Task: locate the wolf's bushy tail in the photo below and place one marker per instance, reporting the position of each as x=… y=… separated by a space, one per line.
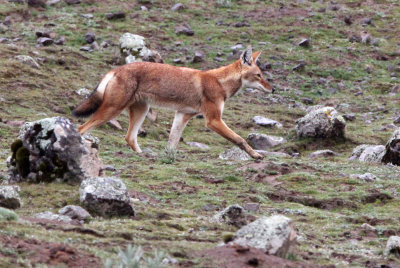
x=89 y=105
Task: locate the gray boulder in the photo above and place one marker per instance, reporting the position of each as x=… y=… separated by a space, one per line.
x=50 y=216
x=75 y=213
x=322 y=153
x=52 y=149
x=368 y=153
x=106 y=197
x=392 y=150
x=133 y=48
x=9 y=197
x=266 y=122
x=264 y=142
x=320 y=122
x=274 y=235
x=234 y=153
x=232 y=215
x=393 y=246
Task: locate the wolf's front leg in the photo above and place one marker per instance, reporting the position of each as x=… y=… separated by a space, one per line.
x=180 y=121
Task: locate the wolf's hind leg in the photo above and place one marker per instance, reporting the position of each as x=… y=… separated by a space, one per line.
x=137 y=114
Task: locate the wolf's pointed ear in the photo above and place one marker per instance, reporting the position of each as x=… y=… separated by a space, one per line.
x=246 y=56
x=256 y=55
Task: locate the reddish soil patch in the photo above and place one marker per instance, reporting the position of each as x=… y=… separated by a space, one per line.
x=296 y=197
x=242 y=257
x=49 y=253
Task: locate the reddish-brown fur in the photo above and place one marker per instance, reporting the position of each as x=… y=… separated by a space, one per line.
x=137 y=86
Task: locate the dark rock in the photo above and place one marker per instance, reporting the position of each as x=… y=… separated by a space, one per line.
x=48 y=34
x=72 y=2
x=299 y=67
x=198 y=57
x=177 y=7
x=52 y=149
x=90 y=37
x=36 y=3
x=44 y=41
x=116 y=15
x=184 y=29
x=348 y=20
x=307 y=100
x=392 y=150
x=241 y=24
x=264 y=66
x=304 y=43
x=107 y=197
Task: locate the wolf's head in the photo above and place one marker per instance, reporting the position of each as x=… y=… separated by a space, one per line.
x=251 y=75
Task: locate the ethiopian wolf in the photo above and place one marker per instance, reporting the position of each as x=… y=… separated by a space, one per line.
x=139 y=85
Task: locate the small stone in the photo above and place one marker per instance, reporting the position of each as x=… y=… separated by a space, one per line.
x=304 y=43
x=28 y=60
x=368 y=227
x=299 y=67
x=198 y=57
x=60 y=41
x=178 y=61
x=241 y=24
x=144 y=8
x=75 y=213
x=72 y=2
x=264 y=142
x=87 y=16
x=266 y=122
x=198 y=145
x=7 y=21
x=348 y=20
x=219 y=59
x=177 y=7
x=116 y=15
x=53 y=2
x=367 y=21
x=94 y=46
x=50 y=216
x=90 y=37
x=36 y=3
x=184 y=29
x=265 y=66
x=86 y=49
x=83 y=92
x=322 y=153
x=365 y=38
x=393 y=246
x=307 y=100
x=251 y=206
x=9 y=197
x=44 y=41
x=367 y=177
x=232 y=215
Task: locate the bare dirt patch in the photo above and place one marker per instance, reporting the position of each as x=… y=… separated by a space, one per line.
x=49 y=253
x=242 y=257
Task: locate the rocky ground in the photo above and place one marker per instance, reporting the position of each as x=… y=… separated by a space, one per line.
x=341 y=54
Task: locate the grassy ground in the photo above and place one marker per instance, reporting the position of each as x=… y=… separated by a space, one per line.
x=171 y=213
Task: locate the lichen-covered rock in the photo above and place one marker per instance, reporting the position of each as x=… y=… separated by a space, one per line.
x=393 y=246
x=368 y=153
x=9 y=197
x=392 y=150
x=263 y=142
x=274 y=235
x=232 y=215
x=52 y=149
x=50 y=216
x=234 y=153
x=320 y=122
x=75 y=213
x=106 y=197
x=28 y=60
x=133 y=48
